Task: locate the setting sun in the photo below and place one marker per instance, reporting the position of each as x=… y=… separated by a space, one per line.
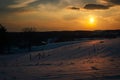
x=91 y=20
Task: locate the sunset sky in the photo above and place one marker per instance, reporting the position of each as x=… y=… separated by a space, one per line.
x=58 y=15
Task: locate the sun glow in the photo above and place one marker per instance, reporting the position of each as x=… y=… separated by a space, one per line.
x=91 y=20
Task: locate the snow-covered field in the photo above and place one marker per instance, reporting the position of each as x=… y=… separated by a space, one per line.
x=86 y=60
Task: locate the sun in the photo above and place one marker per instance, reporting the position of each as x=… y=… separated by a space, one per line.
x=91 y=20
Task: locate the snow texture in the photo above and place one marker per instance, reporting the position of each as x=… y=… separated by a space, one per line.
x=80 y=60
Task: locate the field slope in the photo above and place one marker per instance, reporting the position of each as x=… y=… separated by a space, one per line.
x=86 y=60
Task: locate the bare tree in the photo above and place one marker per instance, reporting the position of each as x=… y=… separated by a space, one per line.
x=28 y=34
x=29 y=29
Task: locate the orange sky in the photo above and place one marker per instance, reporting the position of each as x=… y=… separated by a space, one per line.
x=60 y=14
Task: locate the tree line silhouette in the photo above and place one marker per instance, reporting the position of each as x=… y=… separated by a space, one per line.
x=30 y=37
x=9 y=39
x=3 y=39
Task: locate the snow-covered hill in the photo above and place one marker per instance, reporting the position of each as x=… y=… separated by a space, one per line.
x=86 y=60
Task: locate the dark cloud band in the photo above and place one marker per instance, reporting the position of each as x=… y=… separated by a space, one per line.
x=96 y=6
x=115 y=2
x=73 y=8
x=109 y=3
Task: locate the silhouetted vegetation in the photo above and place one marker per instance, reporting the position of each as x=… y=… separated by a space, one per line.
x=29 y=37
x=3 y=39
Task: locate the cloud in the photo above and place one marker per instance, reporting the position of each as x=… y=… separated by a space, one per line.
x=19 y=6
x=21 y=3
x=47 y=1
x=13 y=6
x=73 y=8
x=96 y=6
x=4 y=4
x=114 y=2
x=105 y=4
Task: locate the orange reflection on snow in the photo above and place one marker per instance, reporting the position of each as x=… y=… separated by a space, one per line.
x=92 y=64
x=93 y=42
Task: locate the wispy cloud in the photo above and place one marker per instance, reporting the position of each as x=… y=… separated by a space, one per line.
x=21 y=3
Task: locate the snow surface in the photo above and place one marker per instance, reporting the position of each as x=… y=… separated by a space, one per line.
x=81 y=60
